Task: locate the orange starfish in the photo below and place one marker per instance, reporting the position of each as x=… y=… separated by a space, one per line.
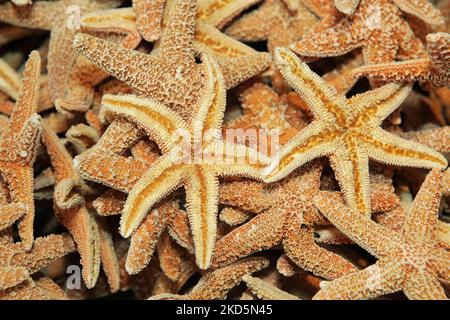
x=434 y=70
x=410 y=260
x=347 y=130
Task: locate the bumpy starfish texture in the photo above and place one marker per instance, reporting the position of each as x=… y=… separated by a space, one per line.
x=433 y=70
x=176 y=167
x=266 y=291
x=18 y=264
x=19 y=142
x=52 y=15
x=410 y=260
x=149 y=17
x=172 y=63
x=376 y=27
x=348 y=131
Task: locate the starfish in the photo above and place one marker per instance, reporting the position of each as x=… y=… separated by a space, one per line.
x=410 y=260
x=433 y=70
x=376 y=26
x=90 y=235
x=286 y=215
x=172 y=63
x=438 y=139
x=215 y=284
x=19 y=143
x=52 y=15
x=18 y=264
x=171 y=170
x=266 y=291
x=348 y=131
x=422 y=9
x=149 y=15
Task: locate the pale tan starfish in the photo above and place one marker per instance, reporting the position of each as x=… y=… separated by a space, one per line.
x=266 y=291
x=434 y=70
x=348 y=131
x=410 y=260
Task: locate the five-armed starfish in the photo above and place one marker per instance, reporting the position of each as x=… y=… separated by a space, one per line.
x=347 y=130
x=18 y=149
x=53 y=16
x=196 y=166
x=410 y=260
x=434 y=70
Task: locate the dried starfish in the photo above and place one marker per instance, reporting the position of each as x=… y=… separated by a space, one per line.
x=216 y=284
x=433 y=70
x=149 y=17
x=197 y=170
x=52 y=15
x=18 y=264
x=410 y=260
x=285 y=214
x=19 y=143
x=266 y=291
x=172 y=63
x=376 y=26
x=348 y=131
x=438 y=139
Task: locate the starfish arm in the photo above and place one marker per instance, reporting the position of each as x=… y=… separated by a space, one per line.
x=108 y=256
x=28 y=95
x=115 y=60
x=28 y=139
x=230 y=159
x=301 y=248
x=145 y=238
x=160 y=123
x=262 y=232
x=316 y=140
x=119 y=136
x=422 y=9
x=388 y=148
x=217 y=283
x=109 y=203
x=322 y=98
x=410 y=70
x=45 y=250
x=252 y=195
x=13 y=276
x=252 y=26
x=10 y=213
x=380 y=48
x=40 y=15
x=332 y=41
x=149 y=18
x=266 y=291
x=202 y=188
x=9 y=80
x=180 y=25
x=376 y=239
x=437 y=139
x=421 y=221
x=346 y=6
x=437 y=45
x=378 y=279
x=180 y=231
x=423 y=285
x=161 y=178
x=234 y=216
x=238 y=69
x=219 y=13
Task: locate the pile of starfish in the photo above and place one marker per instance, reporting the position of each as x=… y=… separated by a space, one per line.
x=348 y=198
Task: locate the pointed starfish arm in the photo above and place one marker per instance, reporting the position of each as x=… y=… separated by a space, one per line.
x=108 y=256
x=202 y=188
x=118 y=61
x=29 y=94
x=122 y=19
x=252 y=195
x=160 y=123
x=28 y=139
x=144 y=240
x=421 y=222
x=110 y=203
x=346 y=6
x=39 y=15
x=437 y=139
x=378 y=279
x=10 y=276
x=423 y=285
x=9 y=80
x=179 y=230
x=266 y=291
x=388 y=148
x=218 y=13
x=376 y=239
x=10 y=213
x=422 y=9
x=301 y=248
x=316 y=140
x=322 y=99
x=160 y=179
x=149 y=17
